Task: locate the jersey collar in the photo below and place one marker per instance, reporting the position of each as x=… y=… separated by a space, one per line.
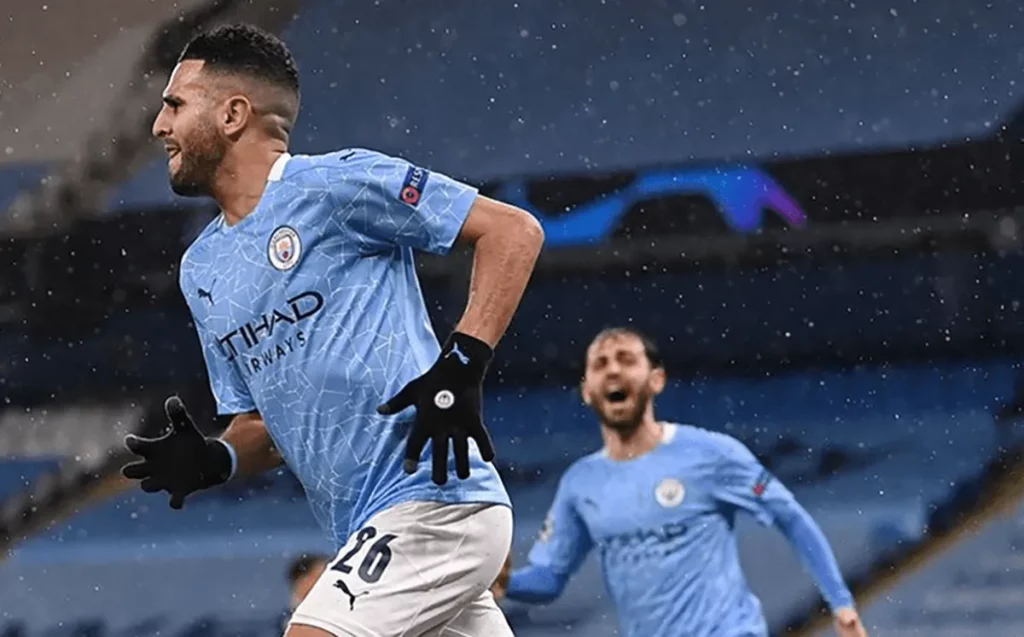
x=276 y=174
x=668 y=433
x=277 y=170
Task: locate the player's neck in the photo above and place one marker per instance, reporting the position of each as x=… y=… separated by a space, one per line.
x=627 y=445
x=242 y=178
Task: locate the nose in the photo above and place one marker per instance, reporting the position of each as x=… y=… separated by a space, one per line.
x=612 y=371
x=161 y=127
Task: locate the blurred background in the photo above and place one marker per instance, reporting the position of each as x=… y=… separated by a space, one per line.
x=815 y=207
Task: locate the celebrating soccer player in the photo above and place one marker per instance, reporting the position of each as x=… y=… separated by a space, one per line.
x=316 y=337
x=659 y=501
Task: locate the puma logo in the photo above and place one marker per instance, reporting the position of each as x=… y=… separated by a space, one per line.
x=343 y=587
x=458 y=354
x=206 y=294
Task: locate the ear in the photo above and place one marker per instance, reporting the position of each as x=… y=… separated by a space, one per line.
x=584 y=393
x=656 y=381
x=237 y=114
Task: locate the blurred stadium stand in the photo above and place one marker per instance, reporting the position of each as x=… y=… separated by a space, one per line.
x=822 y=228
x=850 y=443
x=974 y=589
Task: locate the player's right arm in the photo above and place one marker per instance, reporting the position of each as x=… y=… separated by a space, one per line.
x=558 y=552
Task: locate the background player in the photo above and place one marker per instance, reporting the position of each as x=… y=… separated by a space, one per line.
x=669 y=556
x=304 y=294
x=302 y=573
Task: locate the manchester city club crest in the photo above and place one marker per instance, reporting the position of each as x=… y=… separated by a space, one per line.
x=284 y=249
x=670 y=493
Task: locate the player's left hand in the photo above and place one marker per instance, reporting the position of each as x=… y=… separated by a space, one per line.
x=847 y=623
x=448 y=401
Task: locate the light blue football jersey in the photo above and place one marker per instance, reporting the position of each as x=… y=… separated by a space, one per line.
x=663 y=525
x=309 y=311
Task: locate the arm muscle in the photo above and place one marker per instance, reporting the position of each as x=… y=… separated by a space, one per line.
x=507 y=242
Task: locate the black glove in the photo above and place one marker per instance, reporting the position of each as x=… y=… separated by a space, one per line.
x=447 y=398
x=181 y=461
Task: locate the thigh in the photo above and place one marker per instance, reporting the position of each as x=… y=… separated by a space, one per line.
x=480 y=618
x=409 y=570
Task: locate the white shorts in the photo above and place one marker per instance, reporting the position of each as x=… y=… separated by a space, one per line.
x=419 y=569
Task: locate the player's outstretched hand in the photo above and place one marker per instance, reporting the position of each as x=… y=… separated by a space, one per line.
x=847 y=623
x=448 y=399
x=181 y=461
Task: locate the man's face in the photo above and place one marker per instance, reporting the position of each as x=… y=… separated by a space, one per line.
x=619 y=382
x=305 y=582
x=187 y=125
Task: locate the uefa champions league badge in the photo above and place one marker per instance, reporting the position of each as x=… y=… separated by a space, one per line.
x=670 y=493
x=413 y=184
x=284 y=248
x=548 y=529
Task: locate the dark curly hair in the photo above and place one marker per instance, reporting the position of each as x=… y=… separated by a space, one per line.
x=246 y=50
x=650 y=347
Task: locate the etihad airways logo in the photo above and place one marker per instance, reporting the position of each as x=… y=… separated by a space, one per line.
x=267 y=339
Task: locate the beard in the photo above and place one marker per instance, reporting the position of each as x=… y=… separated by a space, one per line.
x=198 y=163
x=626 y=420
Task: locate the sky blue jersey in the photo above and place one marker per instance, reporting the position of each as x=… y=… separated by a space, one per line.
x=309 y=311
x=663 y=525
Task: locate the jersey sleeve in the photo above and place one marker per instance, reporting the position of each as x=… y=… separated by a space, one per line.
x=742 y=481
x=385 y=201
x=229 y=388
x=564 y=541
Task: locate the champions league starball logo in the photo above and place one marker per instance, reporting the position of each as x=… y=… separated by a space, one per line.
x=743 y=196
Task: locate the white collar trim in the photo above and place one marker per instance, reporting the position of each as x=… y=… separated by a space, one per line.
x=668 y=434
x=277 y=170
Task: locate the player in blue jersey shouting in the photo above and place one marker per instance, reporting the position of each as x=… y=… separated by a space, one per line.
x=659 y=503
x=316 y=337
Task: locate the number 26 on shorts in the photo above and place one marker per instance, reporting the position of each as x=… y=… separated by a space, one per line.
x=376 y=560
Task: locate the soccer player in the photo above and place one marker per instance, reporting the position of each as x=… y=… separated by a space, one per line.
x=316 y=338
x=659 y=502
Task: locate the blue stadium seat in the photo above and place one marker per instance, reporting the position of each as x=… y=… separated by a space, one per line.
x=929 y=428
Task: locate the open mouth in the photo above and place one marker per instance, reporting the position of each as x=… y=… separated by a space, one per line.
x=617 y=396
